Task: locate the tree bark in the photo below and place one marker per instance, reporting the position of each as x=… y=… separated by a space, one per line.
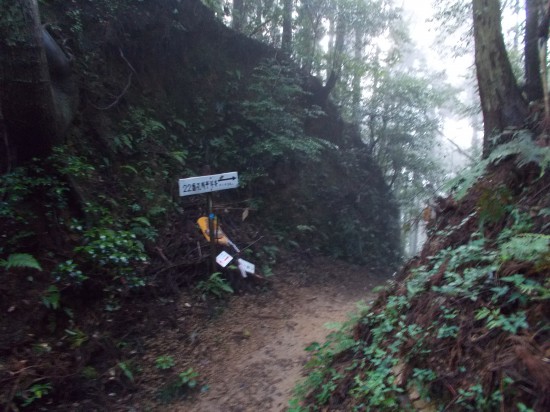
x=533 y=83
x=286 y=43
x=356 y=82
x=339 y=42
x=36 y=113
x=6 y=162
x=501 y=101
x=237 y=21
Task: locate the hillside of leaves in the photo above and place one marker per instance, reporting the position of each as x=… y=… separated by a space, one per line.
x=95 y=238
x=466 y=324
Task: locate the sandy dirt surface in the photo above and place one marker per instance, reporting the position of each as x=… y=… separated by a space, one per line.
x=251 y=356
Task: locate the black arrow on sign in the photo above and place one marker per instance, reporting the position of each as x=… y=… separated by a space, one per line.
x=221 y=179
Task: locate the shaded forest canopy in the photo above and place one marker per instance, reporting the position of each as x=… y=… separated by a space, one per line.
x=92 y=224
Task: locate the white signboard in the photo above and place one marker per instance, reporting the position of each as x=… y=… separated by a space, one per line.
x=223 y=259
x=211 y=183
x=246 y=267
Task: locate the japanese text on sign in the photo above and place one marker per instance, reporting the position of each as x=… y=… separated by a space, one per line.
x=211 y=183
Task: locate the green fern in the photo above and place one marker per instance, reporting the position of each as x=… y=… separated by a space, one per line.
x=461 y=184
x=528 y=287
x=522 y=146
x=525 y=148
x=215 y=285
x=20 y=260
x=531 y=247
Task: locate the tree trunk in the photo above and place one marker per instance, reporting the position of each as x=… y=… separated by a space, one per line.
x=6 y=161
x=339 y=42
x=330 y=44
x=356 y=82
x=533 y=83
x=501 y=101
x=36 y=110
x=237 y=21
x=286 y=42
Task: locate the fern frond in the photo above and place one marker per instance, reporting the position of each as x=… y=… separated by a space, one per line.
x=20 y=260
x=522 y=142
x=530 y=247
x=464 y=182
x=527 y=151
x=522 y=146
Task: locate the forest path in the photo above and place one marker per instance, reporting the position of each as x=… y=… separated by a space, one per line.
x=252 y=355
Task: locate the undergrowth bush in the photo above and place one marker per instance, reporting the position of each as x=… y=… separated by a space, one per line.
x=30 y=197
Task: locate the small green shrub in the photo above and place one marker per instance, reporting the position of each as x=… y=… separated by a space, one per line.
x=522 y=147
x=164 y=362
x=31 y=196
x=34 y=393
x=68 y=272
x=51 y=297
x=71 y=164
x=179 y=386
x=188 y=378
x=126 y=370
x=495 y=319
x=215 y=286
x=119 y=253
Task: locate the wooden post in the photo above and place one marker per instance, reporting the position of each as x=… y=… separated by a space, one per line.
x=212 y=234
x=208 y=184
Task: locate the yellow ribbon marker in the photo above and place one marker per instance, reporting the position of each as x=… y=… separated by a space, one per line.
x=219 y=236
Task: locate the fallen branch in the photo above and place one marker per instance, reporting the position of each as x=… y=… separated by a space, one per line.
x=115 y=102
x=128 y=84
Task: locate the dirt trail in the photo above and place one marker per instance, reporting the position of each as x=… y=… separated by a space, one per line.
x=252 y=355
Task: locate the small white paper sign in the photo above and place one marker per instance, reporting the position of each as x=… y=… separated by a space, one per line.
x=247 y=266
x=223 y=259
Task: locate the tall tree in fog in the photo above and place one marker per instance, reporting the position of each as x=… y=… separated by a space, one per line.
x=238 y=15
x=286 y=41
x=501 y=100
